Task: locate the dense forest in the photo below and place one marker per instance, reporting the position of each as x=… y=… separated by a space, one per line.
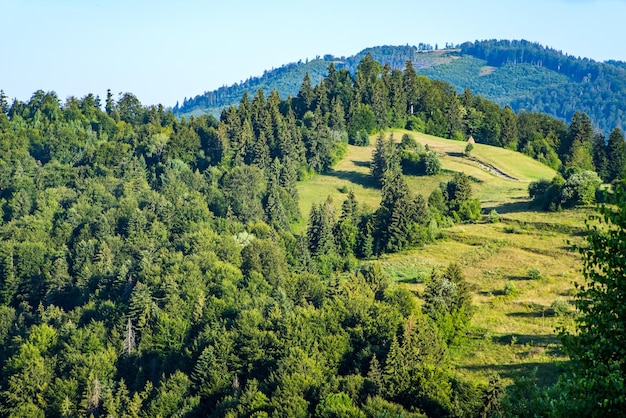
x=598 y=88
x=148 y=266
x=524 y=75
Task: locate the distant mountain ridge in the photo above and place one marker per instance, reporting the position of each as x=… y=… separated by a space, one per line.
x=522 y=74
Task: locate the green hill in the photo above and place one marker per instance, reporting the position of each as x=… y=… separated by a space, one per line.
x=521 y=74
x=513 y=333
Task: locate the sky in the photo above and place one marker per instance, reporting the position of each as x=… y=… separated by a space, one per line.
x=164 y=51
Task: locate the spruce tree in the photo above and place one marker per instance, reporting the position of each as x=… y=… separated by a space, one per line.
x=616 y=155
x=599 y=153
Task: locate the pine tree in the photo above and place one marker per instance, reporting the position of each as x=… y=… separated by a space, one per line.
x=599 y=153
x=110 y=103
x=384 y=158
x=261 y=152
x=4 y=104
x=576 y=150
x=337 y=117
x=616 y=155
x=305 y=98
x=509 y=137
x=409 y=82
x=375 y=377
x=346 y=231
x=320 y=230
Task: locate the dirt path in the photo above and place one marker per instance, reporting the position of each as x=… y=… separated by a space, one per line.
x=491 y=169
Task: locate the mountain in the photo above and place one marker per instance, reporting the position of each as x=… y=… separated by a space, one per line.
x=521 y=74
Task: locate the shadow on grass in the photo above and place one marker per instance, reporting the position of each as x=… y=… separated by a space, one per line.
x=518 y=278
x=361 y=163
x=531 y=314
x=455 y=154
x=511 y=207
x=546 y=373
x=364 y=180
x=538 y=340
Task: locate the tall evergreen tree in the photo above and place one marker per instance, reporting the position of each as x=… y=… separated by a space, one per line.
x=599 y=153
x=305 y=99
x=576 y=150
x=616 y=155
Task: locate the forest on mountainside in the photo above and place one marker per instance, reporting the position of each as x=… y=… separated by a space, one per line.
x=148 y=266
x=525 y=75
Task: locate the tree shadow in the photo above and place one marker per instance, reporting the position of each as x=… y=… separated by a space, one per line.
x=364 y=180
x=361 y=163
x=539 y=340
x=454 y=154
x=518 y=278
x=531 y=314
x=545 y=373
x=512 y=207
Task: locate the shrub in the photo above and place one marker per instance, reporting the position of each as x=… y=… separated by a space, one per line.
x=432 y=165
x=408 y=142
x=414 y=123
x=560 y=307
x=580 y=188
x=510 y=289
x=468 y=148
x=493 y=217
x=534 y=274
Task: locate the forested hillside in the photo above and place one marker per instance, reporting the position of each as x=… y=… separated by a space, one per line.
x=148 y=266
x=524 y=75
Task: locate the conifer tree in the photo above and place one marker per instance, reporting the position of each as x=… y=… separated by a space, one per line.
x=616 y=155
x=599 y=153
x=305 y=98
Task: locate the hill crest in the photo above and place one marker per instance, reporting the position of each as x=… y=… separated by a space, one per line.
x=521 y=74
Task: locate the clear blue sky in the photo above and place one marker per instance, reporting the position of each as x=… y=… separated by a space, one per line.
x=163 y=51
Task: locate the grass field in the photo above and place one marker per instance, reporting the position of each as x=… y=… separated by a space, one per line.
x=527 y=252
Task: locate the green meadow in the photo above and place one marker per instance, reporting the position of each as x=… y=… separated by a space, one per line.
x=521 y=268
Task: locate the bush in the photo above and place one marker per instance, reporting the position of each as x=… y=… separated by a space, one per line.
x=534 y=274
x=493 y=217
x=468 y=148
x=560 y=307
x=580 y=188
x=408 y=142
x=432 y=165
x=415 y=124
x=510 y=289
x=360 y=138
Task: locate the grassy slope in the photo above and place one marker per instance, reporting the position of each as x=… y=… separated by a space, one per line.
x=511 y=334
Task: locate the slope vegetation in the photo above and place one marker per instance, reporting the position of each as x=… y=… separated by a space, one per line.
x=517 y=267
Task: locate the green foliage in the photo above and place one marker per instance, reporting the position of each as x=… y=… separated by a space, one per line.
x=460 y=204
x=560 y=307
x=534 y=273
x=580 y=189
x=448 y=302
x=510 y=289
x=337 y=405
x=493 y=216
x=596 y=383
x=147 y=266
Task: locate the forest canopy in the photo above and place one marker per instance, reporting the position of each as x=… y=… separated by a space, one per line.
x=148 y=266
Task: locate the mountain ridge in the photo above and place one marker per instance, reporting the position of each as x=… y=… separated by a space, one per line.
x=521 y=74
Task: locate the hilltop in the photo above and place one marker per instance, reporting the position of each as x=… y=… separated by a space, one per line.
x=520 y=74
